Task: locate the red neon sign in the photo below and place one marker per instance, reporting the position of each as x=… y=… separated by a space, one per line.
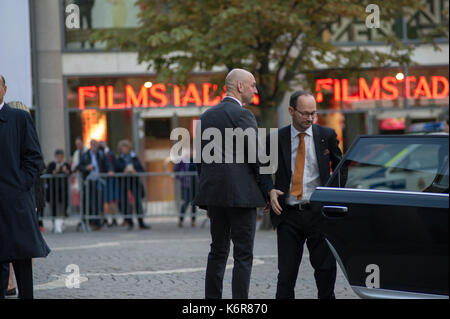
x=157 y=95
x=386 y=88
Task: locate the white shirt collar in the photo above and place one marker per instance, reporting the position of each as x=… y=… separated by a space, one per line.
x=295 y=132
x=1 y=105
x=232 y=97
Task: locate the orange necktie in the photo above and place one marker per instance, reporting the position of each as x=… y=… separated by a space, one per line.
x=297 y=179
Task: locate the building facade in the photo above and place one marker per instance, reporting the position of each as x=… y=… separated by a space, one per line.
x=83 y=90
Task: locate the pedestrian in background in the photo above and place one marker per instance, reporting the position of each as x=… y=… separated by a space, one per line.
x=187 y=189
x=130 y=186
x=77 y=179
x=92 y=163
x=58 y=189
x=112 y=188
x=20 y=165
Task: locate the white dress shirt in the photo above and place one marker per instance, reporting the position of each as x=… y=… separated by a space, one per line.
x=231 y=97
x=1 y=105
x=311 y=177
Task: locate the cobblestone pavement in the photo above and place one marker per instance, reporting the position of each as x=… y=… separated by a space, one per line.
x=164 y=262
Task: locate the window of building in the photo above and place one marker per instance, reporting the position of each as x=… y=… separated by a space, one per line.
x=96 y=15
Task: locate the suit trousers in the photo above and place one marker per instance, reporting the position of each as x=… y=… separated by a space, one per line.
x=296 y=228
x=23 y=270
x=237 y=225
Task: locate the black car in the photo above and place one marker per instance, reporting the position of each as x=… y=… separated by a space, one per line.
x=385 y=216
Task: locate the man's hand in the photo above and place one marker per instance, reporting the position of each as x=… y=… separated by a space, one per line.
x=65 y=170
x=110 y=173
x=89 y=167
x=266 y=209
x=273 y=194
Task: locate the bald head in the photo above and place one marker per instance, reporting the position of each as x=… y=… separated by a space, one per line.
x=241 y=84
x=235 y=76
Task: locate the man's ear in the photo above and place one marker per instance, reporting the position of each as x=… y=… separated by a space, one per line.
x=239 y=86
x=291 y=110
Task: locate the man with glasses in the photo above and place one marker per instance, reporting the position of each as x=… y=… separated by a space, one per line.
x=305 y=152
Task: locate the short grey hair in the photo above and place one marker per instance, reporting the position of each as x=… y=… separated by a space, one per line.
x=3 y=79
x=19 y=105
x=124 y=143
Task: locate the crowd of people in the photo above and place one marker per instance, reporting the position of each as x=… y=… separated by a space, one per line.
x=101 y=198
x=24 y=193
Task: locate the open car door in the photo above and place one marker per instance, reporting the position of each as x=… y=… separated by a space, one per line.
x=385 y=216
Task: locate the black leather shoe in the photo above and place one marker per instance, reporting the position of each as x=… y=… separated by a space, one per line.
x=11 y=292
x=144 y=226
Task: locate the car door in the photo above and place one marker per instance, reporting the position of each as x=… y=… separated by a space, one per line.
x=385 y=216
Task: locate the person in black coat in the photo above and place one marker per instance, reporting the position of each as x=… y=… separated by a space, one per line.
x=230 y=191
x=188 y=185
x=127 y=162
x=92 y=163
x=112 y=188
x=20 y=165
x=295 y=180
x=58 y=185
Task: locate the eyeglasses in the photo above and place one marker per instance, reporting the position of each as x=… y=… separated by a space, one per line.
x=307 y=114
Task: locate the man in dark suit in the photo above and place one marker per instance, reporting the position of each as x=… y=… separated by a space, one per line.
x=92 y=163
x=128 y=163
x=229 y=190
x=20 y=165
x=305 y=152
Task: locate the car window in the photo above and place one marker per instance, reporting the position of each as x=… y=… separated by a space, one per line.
x=395 y=163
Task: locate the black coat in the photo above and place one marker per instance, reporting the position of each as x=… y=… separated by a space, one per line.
x=132 y=182
x=39 y=190
x=20 y=165
x=58 y=186
x=104 y=164
x=229 y=184
x=120 y=163
x=327 y=152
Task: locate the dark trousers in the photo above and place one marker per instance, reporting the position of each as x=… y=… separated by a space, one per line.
x=237 y=224
x=188 y=196
x=57 y=195
x=93 y=201
x=296 y=228
x=131 y=185
x=23 y=270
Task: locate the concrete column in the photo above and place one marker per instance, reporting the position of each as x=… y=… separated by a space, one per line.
x=284 y=118
x=47 y=29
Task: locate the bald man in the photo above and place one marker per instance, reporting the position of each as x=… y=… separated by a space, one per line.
x=230 y=191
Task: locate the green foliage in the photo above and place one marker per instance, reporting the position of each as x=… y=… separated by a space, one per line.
x=277 y=40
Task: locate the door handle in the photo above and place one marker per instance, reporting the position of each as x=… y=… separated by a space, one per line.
x=334 y=211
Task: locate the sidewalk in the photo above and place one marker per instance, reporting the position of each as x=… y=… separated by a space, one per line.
x=164 y=262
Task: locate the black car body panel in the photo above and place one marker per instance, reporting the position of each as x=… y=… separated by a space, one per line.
x=403 y=232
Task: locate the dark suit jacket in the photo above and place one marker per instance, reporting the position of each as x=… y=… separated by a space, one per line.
x=104 y=164
x=228 y=184
x=327 y=152
x=132 y=182
x=120 y=164
x=20 y=165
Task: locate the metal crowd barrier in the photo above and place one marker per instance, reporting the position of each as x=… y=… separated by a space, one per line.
x=132 y=196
